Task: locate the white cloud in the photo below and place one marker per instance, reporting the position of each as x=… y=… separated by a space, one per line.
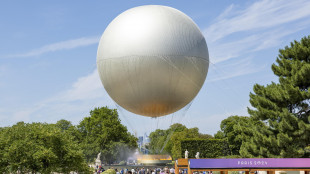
x=259 y=15
x=249 y=44
x=72 y=104
x=234 y=69
x=24 y=114
x=85 y=88
x=63 y=45
x=228 y=11
x=85 y=94
x=262 y=26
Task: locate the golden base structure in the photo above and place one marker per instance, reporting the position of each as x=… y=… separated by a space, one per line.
x=154 y=159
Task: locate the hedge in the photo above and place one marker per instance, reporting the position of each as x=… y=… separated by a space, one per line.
x=207 y=148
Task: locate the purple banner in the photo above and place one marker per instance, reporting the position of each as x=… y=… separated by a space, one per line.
x=239 y=163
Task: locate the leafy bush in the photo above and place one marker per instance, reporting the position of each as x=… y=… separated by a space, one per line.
x=109 y=171
x=122 y=163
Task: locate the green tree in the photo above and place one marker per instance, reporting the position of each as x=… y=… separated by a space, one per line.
x=219 y=135
x=64 y=124
x=39 y=147
x=283 y=107
x=236 y=129
x=161 y=139
x=169 y=141
x=3 y=160
x=103 y=132
x=157 y=140
x=67 y=127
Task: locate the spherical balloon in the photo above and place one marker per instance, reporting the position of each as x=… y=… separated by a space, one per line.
x=152 y=60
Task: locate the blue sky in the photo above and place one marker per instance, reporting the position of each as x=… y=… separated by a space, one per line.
x=48 y=57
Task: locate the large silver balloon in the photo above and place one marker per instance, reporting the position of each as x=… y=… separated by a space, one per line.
x=152 y=60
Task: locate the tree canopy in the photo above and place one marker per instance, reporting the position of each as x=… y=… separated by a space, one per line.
x=39 y=147
x=283 y=106
x=103 y=132
x=63 y=147
x=236 y=129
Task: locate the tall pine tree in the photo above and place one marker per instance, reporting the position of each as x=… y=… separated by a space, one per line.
x=284 y=107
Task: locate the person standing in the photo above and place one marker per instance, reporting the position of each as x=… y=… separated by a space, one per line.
x=172 y=170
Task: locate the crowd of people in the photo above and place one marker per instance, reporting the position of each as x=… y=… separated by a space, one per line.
x=148 y=170
x=142 y=170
